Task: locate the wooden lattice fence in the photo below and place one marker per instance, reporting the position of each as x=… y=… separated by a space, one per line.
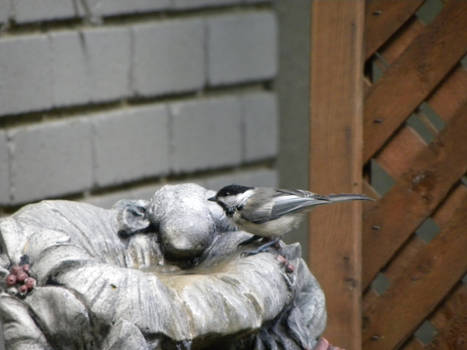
x=406 y=273
x=414 y=244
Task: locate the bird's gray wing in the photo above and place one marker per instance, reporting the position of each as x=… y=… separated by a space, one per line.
x=279 y=202
x=259 y=206
x=291 y=201
x=288 y=202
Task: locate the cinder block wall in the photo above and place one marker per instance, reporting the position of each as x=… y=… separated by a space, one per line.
x=118 y=99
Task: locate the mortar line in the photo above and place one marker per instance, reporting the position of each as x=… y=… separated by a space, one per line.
x=44 y=26
x=200 y=175
x=91 y=109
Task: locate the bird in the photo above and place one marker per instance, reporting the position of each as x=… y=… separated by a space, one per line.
x=270 y=213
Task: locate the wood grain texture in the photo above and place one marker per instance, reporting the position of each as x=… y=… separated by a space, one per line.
x=397 y=156
x=383 y=18
x=335 y=161
x=400 y=153
x=413 y=344
x=394 y=47
x=392 y=317
x=450 y=321
x=414 y=75
x=400 y=41
x=407 y=255
x=450 y=97
x=416 y=194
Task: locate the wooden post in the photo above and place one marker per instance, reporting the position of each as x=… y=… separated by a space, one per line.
x=336 y=161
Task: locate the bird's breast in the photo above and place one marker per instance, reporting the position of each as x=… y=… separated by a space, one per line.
x=271 y=229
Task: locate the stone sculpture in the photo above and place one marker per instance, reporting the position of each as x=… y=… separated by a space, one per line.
x=160 y=274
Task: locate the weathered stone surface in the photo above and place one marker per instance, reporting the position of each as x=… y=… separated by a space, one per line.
x=109 y=290
x=19 y=329
x=186 y=220
x=59 y=310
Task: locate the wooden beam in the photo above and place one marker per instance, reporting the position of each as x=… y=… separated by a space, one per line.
x=336 y=161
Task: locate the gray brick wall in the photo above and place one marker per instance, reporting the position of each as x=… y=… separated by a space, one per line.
x=189 y=4
x=50 y=159
x=69 y=86
x=168 y=57
x=4 y=170
x=25 y=74
x=33 y=10
x=152 y=92
x=131 y=144
x=48 y=10
x=206 y=134
x=260 y=126
x=108 y=52
x=5 y=11
x=242 y=47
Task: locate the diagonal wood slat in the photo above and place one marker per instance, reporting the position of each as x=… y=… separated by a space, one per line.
x=399 y=154
x=392 y=317
x=397 y=45
x=407 y=256
x=452 y=95
x=383 y=18
x=418 y=64
x=415 y=195
x=414 y=344
x=410 y=79
x=450 y=321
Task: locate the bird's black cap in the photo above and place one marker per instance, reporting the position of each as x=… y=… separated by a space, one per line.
x=232 y=190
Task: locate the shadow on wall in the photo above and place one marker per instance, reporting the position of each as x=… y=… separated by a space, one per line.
x=293 y=94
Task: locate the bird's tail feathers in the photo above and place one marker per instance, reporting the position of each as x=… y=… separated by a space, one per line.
x=308 y=200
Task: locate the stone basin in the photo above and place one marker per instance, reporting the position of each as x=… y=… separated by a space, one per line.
x=99 y=289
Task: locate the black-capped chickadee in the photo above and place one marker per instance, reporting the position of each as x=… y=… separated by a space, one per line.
x=270 y=213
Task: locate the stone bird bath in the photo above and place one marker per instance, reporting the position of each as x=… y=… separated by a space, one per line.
x=160 y=274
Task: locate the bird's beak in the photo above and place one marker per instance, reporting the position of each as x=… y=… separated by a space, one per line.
x=212 y=199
